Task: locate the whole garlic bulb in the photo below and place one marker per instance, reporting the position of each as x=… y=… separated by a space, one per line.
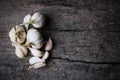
x=34 y=37
x=17 y=34
x=37 y=20
x=20 y=51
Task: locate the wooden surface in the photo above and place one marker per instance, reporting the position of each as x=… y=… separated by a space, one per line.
x=86 y=35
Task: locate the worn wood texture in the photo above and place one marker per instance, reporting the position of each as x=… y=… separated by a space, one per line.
x=86 y=36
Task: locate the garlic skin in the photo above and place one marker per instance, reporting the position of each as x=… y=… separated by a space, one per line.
x=38 y=20
x=34 y=37
x=45 y=56
x=36 y=52
x=17 y=34
x=20 y=51
x=49 y=45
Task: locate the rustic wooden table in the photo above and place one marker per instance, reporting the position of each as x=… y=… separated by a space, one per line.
x=86 y=36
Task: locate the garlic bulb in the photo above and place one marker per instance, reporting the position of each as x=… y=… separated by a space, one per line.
x=36 y=62
x=20 y=51
x=17 y=34
x=38 y=20
x=34 y=37
x=36 y=52
x=49 y=45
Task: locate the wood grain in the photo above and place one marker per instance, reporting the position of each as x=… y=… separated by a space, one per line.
x=86 y=37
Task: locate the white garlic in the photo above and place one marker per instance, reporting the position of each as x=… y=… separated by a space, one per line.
x=45 y=56
x=36 y=63
x=37 y=45
x=34 y=60
x=20 y=51
x=17 y=34
x=34 y=37
x=49 y=45
x=27 y=21
x=36 y=52
x=38 y=20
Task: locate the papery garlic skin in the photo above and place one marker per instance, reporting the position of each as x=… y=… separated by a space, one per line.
x=38 y=20
x=17 y=34
x=36 y=52
x=20 y=51
x=49 y=45
x=34 y=37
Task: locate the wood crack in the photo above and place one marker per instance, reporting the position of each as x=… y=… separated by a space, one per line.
x=86 y=62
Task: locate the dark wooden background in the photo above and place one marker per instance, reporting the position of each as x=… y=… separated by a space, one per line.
x=86 y=35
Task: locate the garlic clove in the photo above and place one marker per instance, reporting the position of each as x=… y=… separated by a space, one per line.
x=45 y=56
x=34 y=60
x=38 y=20
x=36 y=52
x=49 y=45
x=20 y=40
x=37 y=45
x=37 y=65
x=27 y=21
x=21 y=51
x=12 y=34
x=27 y=18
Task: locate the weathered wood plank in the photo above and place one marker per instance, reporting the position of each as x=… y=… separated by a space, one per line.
x=60 y=70
x=85 y=45
x=85 y=33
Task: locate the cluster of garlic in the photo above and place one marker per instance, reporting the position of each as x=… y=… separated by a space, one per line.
x=24 y=39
